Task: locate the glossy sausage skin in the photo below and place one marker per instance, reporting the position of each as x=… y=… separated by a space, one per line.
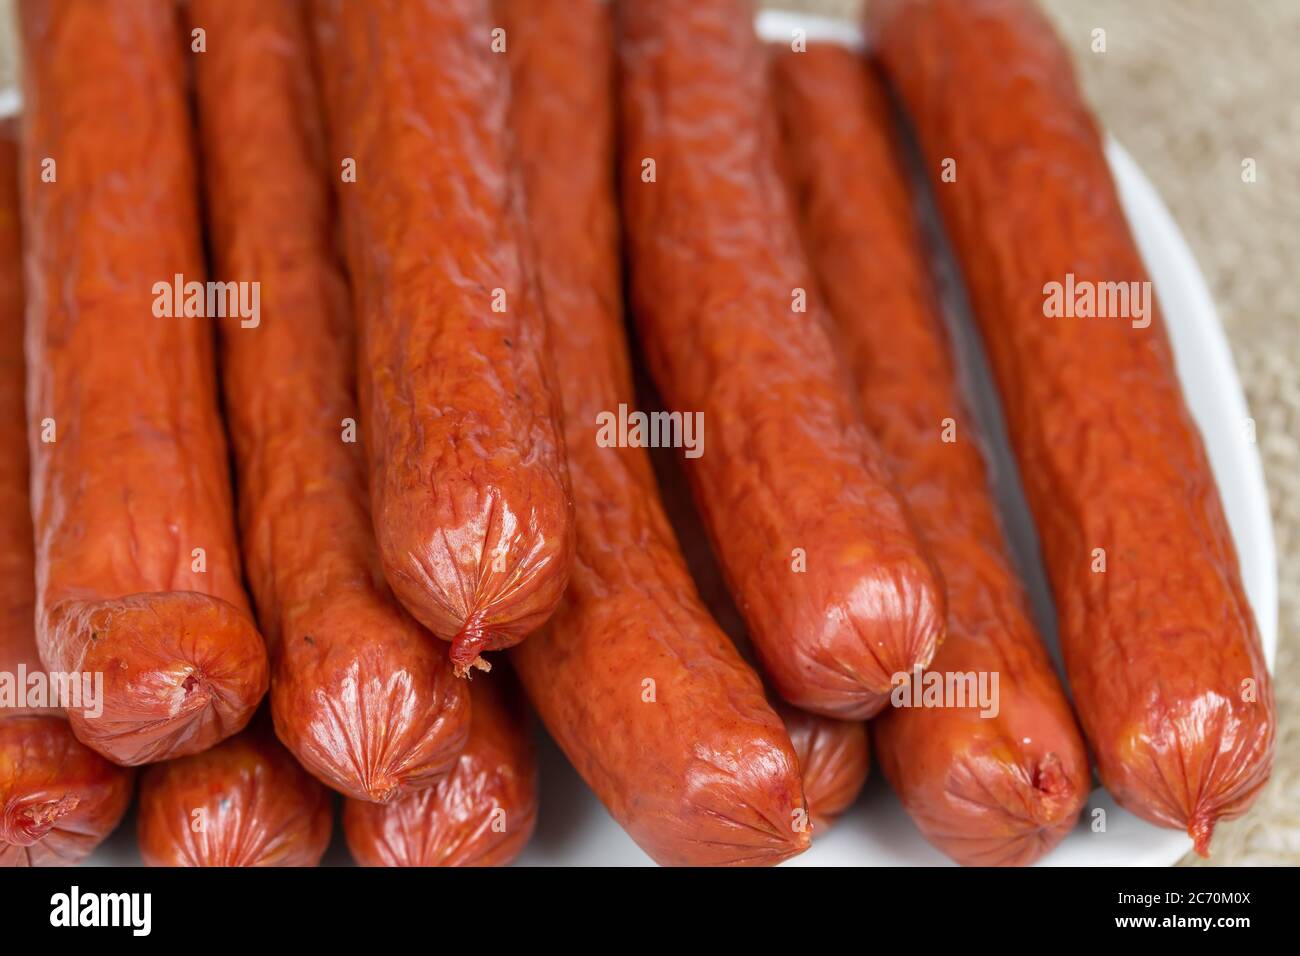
x=834 y=761
x=58 y=798
x=1161 y=649
x=136 y=480
x=17 y=563
x=481 y=814
x=983 y=789
x=362 y=695
x=647 y=698
x=467 y=478
x=816 y=546
x=245 y=802
x=834 y=755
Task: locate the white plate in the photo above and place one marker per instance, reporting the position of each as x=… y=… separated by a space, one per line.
x=575 y=830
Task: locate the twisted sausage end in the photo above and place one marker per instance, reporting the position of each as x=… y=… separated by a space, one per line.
x=162 y=674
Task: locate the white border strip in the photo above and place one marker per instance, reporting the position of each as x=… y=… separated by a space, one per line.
x=774 y=25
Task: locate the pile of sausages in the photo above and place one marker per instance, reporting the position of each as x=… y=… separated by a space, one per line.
x=447 y=206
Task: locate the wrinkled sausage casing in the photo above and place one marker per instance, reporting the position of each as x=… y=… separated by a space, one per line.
x=362 y=695
x=245 y=802
x=481 y=814
x=467 y=477
x=834 y=761
x=647 y=698
x=986 y=786
x=834 y=755
x=58 y=798
x=1161 y=648
x=137 y=572
x=815 y=545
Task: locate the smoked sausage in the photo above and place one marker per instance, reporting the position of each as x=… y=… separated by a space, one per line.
x=985 y=786
x=58 y=798
x=245 y=802
x=834 y=761
x=481 y=814
x=646 y=697
x=467 y=479
x=1161 y=648
x=834 y=755
x=361 y=694
x=137 y=574
x=817 y=548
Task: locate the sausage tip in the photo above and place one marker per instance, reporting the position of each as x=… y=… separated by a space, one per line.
x=28 y=825
x=802 y=840
x=798 y=842
x=1050 y=777
x=465 y=651
x=1057 y=799
x=482 y=813
x=58 y=798
x=181 y=670
x=750 y=825
x=1201 y=829
x=382 y=791
x=384 y=784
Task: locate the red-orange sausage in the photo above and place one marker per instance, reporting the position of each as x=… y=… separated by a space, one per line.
x=58 y=798
x=246 y=802
x=137 y=572
x=834 y=761
x=984 y=789
x=481 y=814
x=647 y=698
x=834 y=755
x=467 y=477
x=361 y=694
x=818 y=550
x=1161 y=648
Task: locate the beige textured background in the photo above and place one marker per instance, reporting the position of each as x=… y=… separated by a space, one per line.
x=1192 y=87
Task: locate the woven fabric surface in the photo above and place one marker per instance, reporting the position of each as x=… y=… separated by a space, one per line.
x=1192 y=88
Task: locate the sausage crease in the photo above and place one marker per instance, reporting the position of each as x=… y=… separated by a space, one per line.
x=1161 y=648
x=137 y=572
x=1001 y=784
x=816 y=546
x=245 y=802
x=647 y=698
x=58 y=798
x=834 y=755
x=481 y=814
x=467 y=477
x=361 y=694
